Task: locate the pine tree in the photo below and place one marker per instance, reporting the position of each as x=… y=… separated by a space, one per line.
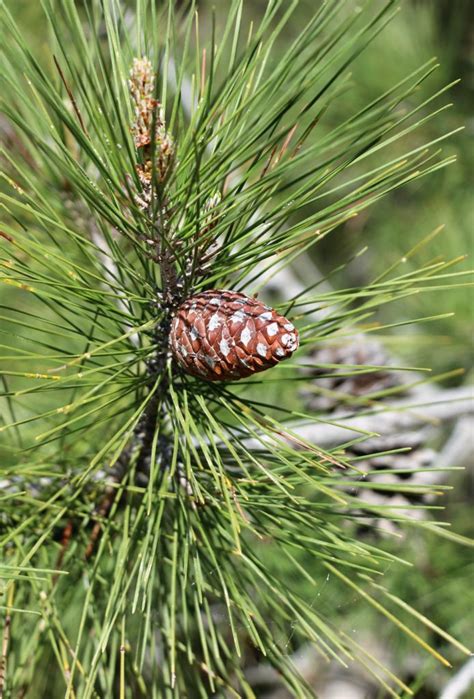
x=150 y=156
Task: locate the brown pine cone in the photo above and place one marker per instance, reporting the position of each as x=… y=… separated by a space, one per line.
x=225 y=336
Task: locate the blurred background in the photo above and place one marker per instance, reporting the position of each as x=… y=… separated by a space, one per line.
x=440 y=584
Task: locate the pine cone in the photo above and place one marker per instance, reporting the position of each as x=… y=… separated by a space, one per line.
x=225 y=336
x=331 y=392
x=402 y=503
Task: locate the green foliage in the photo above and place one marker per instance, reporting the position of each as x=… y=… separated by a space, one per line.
x=138 y=499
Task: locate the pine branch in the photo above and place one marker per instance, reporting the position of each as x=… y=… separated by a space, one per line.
x=129 y=188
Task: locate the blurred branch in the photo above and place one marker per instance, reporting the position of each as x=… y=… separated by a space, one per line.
x=459 y=447
x=434 y=407
x=460 y=683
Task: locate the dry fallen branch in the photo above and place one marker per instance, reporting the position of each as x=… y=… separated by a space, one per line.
x=434 y=407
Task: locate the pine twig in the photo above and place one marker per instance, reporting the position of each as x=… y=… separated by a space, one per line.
x=66 y=537
x=71 y=96
x=102 y=513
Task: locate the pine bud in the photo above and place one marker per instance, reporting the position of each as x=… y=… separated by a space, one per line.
x=148 y=111
x=142 y=87
x=225 y=336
